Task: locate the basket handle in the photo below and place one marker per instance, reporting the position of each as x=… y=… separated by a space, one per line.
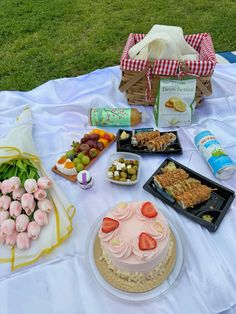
x=205 y=89
x=123 y=87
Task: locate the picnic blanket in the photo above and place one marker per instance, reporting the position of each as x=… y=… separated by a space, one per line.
x=61 y=282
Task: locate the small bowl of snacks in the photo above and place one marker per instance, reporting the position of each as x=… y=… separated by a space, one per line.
x=123 y=168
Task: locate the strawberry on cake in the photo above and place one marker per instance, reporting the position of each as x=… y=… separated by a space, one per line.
x=135 y=241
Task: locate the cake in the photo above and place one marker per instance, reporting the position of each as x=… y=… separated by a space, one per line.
x=136 y=242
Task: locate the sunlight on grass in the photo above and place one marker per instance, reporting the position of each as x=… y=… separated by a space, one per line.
x=43 y=40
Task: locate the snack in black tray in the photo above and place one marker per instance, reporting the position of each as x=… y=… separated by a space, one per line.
x=187 y=191
x=153 y=140
x=148 y=141
x=195 y=196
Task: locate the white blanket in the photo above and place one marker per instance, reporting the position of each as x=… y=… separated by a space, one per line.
x=61 y=283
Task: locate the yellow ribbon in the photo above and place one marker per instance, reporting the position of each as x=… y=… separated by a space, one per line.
x=20 y=154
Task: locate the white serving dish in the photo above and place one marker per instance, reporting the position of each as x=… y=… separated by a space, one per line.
x=124 y=155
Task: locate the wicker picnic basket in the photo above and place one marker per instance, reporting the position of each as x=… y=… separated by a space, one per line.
x=140 y=78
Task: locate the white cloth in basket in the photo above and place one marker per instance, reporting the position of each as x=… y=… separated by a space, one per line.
x=163 y=42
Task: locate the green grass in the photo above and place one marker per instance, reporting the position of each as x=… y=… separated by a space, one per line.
x=48 y=39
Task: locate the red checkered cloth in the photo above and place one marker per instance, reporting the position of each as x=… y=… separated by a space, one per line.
x=203 y=67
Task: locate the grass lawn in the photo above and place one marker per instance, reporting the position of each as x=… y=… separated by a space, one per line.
x=48 y=39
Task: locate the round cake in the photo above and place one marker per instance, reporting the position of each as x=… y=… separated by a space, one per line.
x=136 y=242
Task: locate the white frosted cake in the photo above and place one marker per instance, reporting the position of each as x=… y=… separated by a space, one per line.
x=135 y=241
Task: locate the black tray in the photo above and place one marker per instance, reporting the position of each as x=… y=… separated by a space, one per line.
x=216 y=206
x=125 y=145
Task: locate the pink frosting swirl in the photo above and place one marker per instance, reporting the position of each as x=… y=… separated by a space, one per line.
x=120 y=248
x=157 y=229
x=107 y=236
x=123 y=211
x=144 y=255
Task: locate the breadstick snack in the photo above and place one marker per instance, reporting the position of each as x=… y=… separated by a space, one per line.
x=186 y=190
x=170 y=177
x=194 y=196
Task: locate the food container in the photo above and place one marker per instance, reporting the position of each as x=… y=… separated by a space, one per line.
x=128 y=156
x=215 y=207
x=106 y=139
x=125 y=145
x=85 y=179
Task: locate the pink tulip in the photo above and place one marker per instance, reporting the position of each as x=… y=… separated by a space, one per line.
x=8 y=226
x=22 y=241
x=0 y=186
x=40 y=194
x=33 y=230
x=5 y=187
x=17 y=194
x=4 y=214
x=41 y=217
x=27 y=201
x=5 y=202
x=29 y=211
x=45 y=205
x=15 y=209
x=2 y=238
x=11 y=240
x=14 y=183
x=30 y=185
x=44 y=183
x=22 y=222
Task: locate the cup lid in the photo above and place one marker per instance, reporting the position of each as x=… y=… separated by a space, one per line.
x=83 y=177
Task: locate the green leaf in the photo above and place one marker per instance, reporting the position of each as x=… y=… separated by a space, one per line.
x=26 y=162
x=15 y=172
x=31 y=174
x=10 y=172
x=24 y=177
x=3 y=167
x=7 y=168
x=20 y=165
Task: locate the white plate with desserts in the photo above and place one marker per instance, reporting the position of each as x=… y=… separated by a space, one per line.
x=135 y=253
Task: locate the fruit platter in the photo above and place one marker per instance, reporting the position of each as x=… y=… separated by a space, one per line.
x=83 y=153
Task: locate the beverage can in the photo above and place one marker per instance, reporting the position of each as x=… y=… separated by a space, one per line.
x=85 y=180
x=219 y=161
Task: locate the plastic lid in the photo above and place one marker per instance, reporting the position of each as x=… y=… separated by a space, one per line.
x=83 y=177
x=144 y=116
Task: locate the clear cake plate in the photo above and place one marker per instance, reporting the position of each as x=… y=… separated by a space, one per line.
x=153 y=294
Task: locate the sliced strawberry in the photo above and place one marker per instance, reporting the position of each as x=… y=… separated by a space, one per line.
x=107 y=137
x=148 y=210
x=109 y=224
x=146 y=242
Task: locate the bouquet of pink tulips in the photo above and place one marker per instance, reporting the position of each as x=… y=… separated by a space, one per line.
x=35 y=215
x=23 y=210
